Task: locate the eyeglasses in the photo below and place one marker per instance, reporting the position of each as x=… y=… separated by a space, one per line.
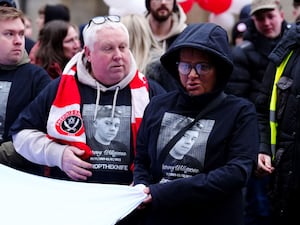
x=200 y=68
x=103 y=19
x=159 y=1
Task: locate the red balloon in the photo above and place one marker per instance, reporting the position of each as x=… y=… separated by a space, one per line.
x=215 y=6
x=186 y=5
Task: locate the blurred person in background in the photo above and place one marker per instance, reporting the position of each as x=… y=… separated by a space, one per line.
x=20 y=83
x=28 y=27
x=29 y=42
x=58 y=43
x=240 y=27
x=143 y=44
x=296 y=10
x=47 y=13
x=250 y=59
x=167 y=19
x=147 y=51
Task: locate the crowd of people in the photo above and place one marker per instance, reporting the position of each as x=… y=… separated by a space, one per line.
x=208 y=126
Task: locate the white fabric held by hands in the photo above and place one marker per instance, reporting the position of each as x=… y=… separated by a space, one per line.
x=33 y=200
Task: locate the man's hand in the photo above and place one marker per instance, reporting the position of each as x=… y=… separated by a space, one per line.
x=74 y=166
x=264 y=166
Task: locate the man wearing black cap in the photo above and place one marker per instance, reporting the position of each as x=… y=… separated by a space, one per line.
x=167 y=19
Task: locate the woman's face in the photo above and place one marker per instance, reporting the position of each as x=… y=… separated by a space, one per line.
x=71 y=43
x=196 y=83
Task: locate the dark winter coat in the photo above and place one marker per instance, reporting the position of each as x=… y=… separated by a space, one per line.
x=250 y=61
x=20 y=85
x=285 y=184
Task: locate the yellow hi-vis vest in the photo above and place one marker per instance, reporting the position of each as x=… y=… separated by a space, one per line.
x=273 y=123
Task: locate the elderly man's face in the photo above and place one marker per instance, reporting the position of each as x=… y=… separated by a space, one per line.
x=110 y=58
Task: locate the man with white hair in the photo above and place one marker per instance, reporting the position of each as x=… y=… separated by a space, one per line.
x=103 y=74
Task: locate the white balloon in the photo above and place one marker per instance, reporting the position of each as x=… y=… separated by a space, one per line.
x=122 y=7
x=237 y=5
x=225 y=20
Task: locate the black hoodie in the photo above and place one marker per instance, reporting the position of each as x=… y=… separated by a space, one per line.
x=226 y=148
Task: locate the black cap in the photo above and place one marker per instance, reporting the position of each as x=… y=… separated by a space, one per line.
x=9 y=3
x=175 y=7
x=57 y=12
x=245 y=12
x=296 y=3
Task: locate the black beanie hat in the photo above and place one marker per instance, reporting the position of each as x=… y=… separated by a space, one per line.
x=57 y=12
x=296 y=3
x=175 y=7
x=9 y=3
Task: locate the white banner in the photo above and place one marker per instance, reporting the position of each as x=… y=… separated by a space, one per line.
x=28 y=199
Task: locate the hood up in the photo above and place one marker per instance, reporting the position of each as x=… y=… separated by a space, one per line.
x=207 y=37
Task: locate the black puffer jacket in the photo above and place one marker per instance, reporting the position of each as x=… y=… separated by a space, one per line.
x=250 y=61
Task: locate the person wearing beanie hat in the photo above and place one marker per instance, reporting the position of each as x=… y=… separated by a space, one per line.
x=166 y=18
x=264 y=31
x=9 y=3
x=237 y=32
x=296 y=10
x=175 y=6
x=296 y=3
x=245 y=12
x=56 y=12
x=240 y=27
x=46 y=14
x=210 y=193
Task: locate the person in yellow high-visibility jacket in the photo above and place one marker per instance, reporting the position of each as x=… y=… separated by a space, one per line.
x=279 y=119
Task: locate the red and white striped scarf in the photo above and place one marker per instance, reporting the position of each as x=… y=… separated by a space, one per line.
x=65 y=123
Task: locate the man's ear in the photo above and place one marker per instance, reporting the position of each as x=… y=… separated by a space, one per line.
x=87 y=53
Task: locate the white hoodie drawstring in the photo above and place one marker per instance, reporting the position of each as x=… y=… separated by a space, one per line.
x=97 y=101
x=114 y=102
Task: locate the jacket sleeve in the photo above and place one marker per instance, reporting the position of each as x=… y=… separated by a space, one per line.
x=29 y=130
x=262 y=103
x=240 y=80
x=155 y=88
x=36 y=147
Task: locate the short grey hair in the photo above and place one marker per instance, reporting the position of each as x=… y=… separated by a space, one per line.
x=91 y=31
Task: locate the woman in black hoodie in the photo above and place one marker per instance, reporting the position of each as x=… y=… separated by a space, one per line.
x=227 y=145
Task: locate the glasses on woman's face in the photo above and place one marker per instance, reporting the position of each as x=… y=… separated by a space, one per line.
x=201 y=68
x=103 y=19
x=159 y=1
